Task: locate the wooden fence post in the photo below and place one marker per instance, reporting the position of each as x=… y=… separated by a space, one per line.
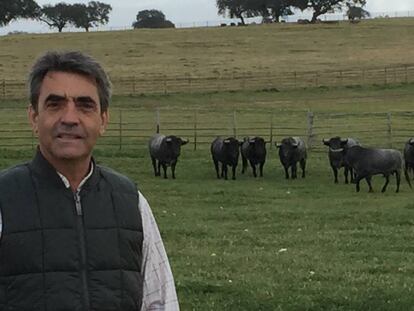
x=234 y=124
x=157 y=120
x=271 y=130
x=310 y=118
x=389 y=129
x=120 y=129
x=195 y=130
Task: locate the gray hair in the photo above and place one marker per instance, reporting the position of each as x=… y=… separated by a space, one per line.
x=73 y=62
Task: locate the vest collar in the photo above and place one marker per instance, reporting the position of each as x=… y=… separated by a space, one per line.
x=44 y=169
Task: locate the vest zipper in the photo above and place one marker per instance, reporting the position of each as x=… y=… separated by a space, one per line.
x=82 y=244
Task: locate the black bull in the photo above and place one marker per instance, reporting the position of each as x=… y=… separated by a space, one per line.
x=164 y=151
x=225 y=151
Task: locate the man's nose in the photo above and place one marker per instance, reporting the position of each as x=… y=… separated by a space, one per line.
x=70 y=115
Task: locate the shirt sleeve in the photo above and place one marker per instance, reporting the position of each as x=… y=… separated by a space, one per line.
x=159 y=290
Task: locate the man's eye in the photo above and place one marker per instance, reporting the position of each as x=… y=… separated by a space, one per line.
x=87 y=105
x=52 y=104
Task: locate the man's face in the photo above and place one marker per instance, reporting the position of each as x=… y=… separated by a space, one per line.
x=69 y=119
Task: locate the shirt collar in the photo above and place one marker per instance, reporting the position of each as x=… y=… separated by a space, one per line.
x=66 y=181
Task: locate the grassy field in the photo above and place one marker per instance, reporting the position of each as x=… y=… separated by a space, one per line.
x=265 y=243
x=231 y=50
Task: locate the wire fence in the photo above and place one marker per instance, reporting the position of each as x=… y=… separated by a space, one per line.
x=167 y=84
x=132 y=128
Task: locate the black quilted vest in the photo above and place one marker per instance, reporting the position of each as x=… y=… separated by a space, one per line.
x=57 y=256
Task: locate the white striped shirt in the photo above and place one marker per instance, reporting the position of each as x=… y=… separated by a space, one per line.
x=158 y=289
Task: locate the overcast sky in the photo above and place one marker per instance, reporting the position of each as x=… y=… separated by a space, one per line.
x=185 y=13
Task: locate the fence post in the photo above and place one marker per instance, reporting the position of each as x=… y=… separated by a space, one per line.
x=234 y=124
x=157 y=120
x=195 y=130
x=389 y=129
x=271 y=130
x=385 y=75
x=310 y=118
x=120 y=129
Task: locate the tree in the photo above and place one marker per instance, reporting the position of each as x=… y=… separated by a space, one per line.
x=321 y=7
x=14 y=9
x=57 y=16
x=279 y=8
x=355 y=12
x=236 y=9
x=92 y=15
x=152 y=19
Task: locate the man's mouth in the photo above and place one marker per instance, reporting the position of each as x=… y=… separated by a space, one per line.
x=66 y=136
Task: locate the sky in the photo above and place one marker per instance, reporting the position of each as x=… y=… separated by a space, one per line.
x=187 y=13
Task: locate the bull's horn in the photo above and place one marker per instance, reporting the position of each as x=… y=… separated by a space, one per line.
x=411 y=140
x=336 y=150
x=278 y=145
x=344 y=140
x=226 y=141
x=168 y=140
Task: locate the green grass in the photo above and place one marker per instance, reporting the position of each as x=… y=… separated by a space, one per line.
x=276 y=244
x=202 y=52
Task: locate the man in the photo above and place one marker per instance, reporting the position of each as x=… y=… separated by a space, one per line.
x=75 y=235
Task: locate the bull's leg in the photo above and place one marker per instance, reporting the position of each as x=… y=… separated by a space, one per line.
x=398 y=180
x=335 y=172
x=357 y=180
x=286 y=171
x=368 y=179
x=224 y=171
x=303 y=167
x=234 y=171
x=244 y=164
x=159 y=168
x=216 y=166
x=387 y=180
x=261 y=168
x=346 y=171
x=351 y=171
x=173 y=164
x=294 y=170
x=253 y=168
x=164 y=167
x=154 y=165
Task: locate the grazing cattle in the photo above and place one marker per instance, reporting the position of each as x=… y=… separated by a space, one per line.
x=367 y=162
x=225 y=151
x=254 y=151
x=409 y=156
x=291 y=151
x=337 y=149
x=164 y=151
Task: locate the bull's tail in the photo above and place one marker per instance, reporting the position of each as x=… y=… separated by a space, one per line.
x=407 y=177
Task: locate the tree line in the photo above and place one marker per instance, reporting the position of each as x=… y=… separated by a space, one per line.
x=58 y=16
x=273 y=10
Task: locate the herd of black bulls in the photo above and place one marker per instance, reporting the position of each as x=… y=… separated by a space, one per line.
x=358 y=162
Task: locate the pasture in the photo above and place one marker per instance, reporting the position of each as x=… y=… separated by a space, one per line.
x=265 y=243
x=269 y=243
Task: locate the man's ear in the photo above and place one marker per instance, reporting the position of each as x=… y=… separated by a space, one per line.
x=32 y=115
x=104 y=121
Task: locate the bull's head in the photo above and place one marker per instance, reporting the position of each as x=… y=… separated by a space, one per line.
x=335 y=144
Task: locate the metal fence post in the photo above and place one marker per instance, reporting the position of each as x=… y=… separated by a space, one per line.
x=310 y=118
x=389 y=129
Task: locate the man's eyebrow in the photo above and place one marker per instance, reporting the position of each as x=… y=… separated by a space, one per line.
x=54 y=97
x=84 y=99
